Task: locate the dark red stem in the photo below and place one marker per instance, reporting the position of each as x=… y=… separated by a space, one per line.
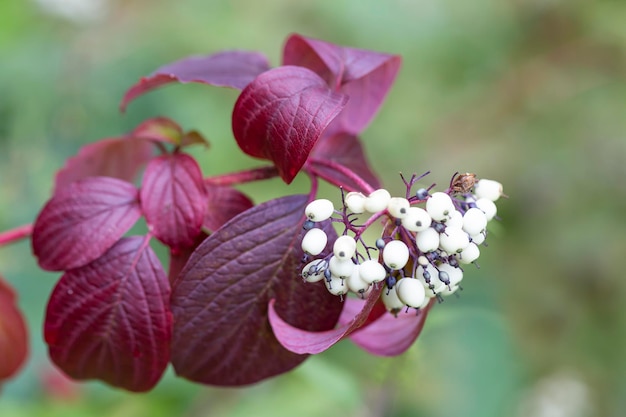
x=243 y=177
x=13 y=235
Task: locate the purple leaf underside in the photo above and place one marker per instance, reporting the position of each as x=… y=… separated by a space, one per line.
x=13 y=333
x=164 y=130
x=281 y=115
x=221 y=330
x=110 y=320
x=224 y=203
x=234 y=69
x=365 y=76
x=117 y=158
x=82 y=221
x=303 y=341
x=346 y=151
x=173 y=199
x=389 y=335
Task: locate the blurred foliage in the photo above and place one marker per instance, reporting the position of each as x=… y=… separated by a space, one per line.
x=529 y=92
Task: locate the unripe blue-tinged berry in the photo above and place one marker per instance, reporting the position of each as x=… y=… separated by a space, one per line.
x=489 y=189
x=355 y=202
x=314 y=241
x=421 y=194
x=377 y=201
x=344 y=247
x=398 y=207
x=416 y=219
x=439 y=206
x=427 y=240
x=396 y=254
x=371 y=271
x=319 y=210
x=411 y=292
x=474 y=221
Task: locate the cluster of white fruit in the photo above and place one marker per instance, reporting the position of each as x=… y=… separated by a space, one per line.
x=421 y=249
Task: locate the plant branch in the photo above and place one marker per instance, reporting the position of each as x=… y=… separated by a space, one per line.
x=243 y=177
x=364 y=185
x=13 y=235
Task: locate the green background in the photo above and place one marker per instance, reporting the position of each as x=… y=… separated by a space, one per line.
x=528 y=92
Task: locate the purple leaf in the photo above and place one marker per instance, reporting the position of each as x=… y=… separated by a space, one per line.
x=110 y=320
x=82 y=221
x=13 y=334
x=221 y=332
x=224 y=203
x=117 y=158
x=333 y=156
x=281 y=115
x=389 y=335
x=173 y=199
x=365 y=76
x=234 y=69
x=302 y=341
x=162 y=129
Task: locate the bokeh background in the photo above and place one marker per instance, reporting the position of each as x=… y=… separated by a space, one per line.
x=528 y=92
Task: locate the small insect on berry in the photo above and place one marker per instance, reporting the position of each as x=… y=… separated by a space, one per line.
x=463 y=183
x=319 y=210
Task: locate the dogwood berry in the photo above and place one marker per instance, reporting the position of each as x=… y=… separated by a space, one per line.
x=489 y=189
x=371 y=271
x=341 y=268
x=377 y=201
x=344 y=247
x=427 y=240
x=416 y=219
x=453 y=240
x=355 y=202
x=356 y=284
x=478 y=238
x=391 y=301
x=439 y=206
x=314 y=271
x=319 y=210
x=411 y=292
x=488 y=207
x=469 y=254
x=454 y=275
x=336 y=286
x=474 y=221
x=314 y=241
x=455 y=219
x=396 y=254
x=398 y=207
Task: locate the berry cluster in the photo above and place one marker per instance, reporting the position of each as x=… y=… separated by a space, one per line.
x=421 y=249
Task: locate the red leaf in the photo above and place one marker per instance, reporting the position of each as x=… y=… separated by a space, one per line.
x=301 y=341
x=281 y=115
x=221 y=333
x=117 y=158
x=233 y=69
x=344 y=150
x=224 y=203
x=110 y=320
x=173 y=199
x=13 y=334
x=365 y=76
x=162 y=129
x=389 y=335
x=82 y=221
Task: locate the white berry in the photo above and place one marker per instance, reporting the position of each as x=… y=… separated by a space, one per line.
x=314 y=241
x=314 y=270
x=377 y=201
x=478 y=238
x=411 y=292
x=488 y=207
x=474 y=221
x=355 y=202
x=398 y=207
x=416 y=219
x=455 y=275
x=439 y=206
x=489 y=189
x=336 y=286
x=391 y=300
x=427 y=240
x=371 y=271
x=453 y=240
x=340 y=267
x=455 y=219
x=396 y=254
x=469 y=254
x=355 y=283
x=319 y=210
x=344 y=247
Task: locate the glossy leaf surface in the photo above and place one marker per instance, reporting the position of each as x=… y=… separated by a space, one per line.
x=83 y=220
x=110 y=320
x=173 y=199
x=281 y=115
x=234 y=69
x=221 y=332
